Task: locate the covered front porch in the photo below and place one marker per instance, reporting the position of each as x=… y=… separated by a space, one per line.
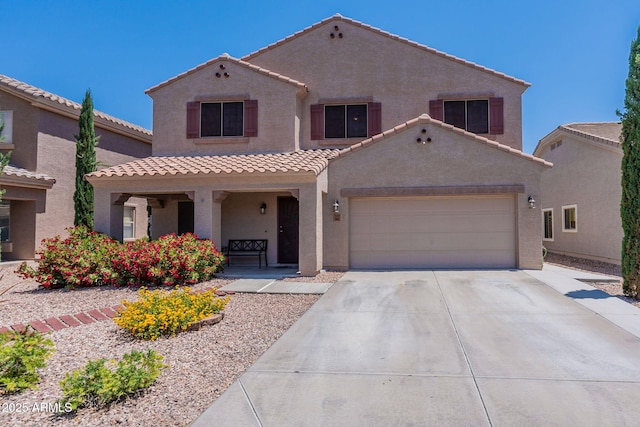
x=286 y=209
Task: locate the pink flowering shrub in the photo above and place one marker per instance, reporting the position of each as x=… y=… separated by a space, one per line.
x=87 y=258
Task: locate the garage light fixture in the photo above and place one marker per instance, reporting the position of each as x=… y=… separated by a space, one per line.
x=263 y=208
x=336 y=206
x=532 y=202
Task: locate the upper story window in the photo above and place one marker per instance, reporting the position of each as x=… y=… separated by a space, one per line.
x=472 y=116
x=481 y=116
x=222 y=119
x=6 y=118
x=345 y=120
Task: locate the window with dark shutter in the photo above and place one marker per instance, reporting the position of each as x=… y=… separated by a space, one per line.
x=317 y=121
x=436 y=110
x=251 y=118
x=496 y=116
x=193 y=120
x=374 y=118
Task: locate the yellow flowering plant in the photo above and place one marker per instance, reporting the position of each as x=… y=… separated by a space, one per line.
x=160 y=312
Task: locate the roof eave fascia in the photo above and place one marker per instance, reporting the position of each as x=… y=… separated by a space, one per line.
x=114 y=178
x=72 y=113
x=24 y=182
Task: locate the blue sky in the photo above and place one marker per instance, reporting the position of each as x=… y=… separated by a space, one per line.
x=574 y=53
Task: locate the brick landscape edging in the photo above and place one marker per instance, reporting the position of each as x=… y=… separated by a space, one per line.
x=58 y=323
x=53 y=324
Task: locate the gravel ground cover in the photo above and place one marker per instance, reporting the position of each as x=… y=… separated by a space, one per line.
x=202 y=364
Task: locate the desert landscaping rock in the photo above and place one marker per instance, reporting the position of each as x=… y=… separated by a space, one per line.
x=201 y=363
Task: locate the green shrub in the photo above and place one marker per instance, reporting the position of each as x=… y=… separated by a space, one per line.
x=101 y=382
x=21 y=355
x=87 y=258
x=80 y=260
x=160 y=312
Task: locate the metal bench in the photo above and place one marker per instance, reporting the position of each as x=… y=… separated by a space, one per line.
x=247 y=247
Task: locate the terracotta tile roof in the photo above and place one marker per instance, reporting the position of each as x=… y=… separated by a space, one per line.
x=426 y=119
x=605 y=133
x=26 y=90
x=227 y=57
x=338 y=17
x=303 y=161
x=11 y=171
x=609 y=131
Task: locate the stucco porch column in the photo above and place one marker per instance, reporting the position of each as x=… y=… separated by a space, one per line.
x=310 y=232
x=207 y=212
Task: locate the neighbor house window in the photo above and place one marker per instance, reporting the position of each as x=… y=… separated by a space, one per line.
x=547 y=218
x=345 y=120
x=129 y=223
x=222 y=119
x=570 y=218
x=5 y=208
x=6 y=118
x=481 y=116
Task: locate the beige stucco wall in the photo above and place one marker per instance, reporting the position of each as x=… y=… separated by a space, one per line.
x=365 y=63
x=588 y=175
x=25 y=131
x=450 y=159
x=277 y=111
x=56 y=154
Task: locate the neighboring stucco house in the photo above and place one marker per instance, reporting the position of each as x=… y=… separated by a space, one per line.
x=40 y=180
x=366 y=149
x=581 y=205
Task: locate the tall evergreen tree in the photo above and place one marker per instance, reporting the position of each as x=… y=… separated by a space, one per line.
x=86 y=142
x=630 y=203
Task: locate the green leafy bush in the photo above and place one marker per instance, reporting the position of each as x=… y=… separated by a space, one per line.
x=160 y=312
x=80 y=260
x=21 y=355
x=87 y=258
x=101 y=382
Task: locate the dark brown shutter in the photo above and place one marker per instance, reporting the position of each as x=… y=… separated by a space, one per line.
x=436 y=109
x=317 y=121
x=193 y=120
x=251 y=117
x=496 y=116
x=374 y=118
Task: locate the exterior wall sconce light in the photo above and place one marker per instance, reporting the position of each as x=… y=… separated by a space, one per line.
x=263 y=208
x=532 y=202
x=336 y=207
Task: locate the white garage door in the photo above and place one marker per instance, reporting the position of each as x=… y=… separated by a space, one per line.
x=432 y=232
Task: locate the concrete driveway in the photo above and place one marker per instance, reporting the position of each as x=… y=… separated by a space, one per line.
x=447 y=348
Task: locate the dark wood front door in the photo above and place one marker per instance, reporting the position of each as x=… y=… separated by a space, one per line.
x=288 y=221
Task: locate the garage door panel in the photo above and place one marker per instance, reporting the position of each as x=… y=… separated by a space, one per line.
x=430 y=232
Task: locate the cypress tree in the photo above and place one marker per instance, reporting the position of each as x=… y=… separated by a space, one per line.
x=86 y=142
x=630 y=203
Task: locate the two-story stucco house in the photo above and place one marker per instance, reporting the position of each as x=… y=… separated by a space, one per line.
x=582 y=192
x=39 y=129
x=345 y=147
